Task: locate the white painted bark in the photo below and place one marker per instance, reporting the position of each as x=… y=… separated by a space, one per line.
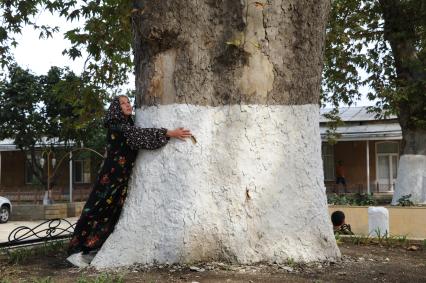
x=250 y=190
x=411 y=179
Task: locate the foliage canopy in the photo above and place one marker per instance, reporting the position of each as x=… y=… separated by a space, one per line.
x=59 y=107
x=380 y=44
x=105 y=34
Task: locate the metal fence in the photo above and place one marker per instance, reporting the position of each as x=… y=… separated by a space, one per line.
x=49 y=230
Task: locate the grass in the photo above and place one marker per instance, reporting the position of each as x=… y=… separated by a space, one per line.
x=33 y=280
x=338 y=238
x=291 y=262
x=23 y=254
x=42 y=280
x=401 y=240
x=360 y=240
x=102 y=278
x=380 y=239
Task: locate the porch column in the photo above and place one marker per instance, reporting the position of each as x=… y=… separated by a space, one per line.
x=368 y=166
x=70 y=165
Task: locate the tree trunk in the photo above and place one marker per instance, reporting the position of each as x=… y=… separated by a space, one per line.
x=245 y=78
x=400 y=32
x=411 y=179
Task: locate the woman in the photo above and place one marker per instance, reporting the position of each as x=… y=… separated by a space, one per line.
x=103 y=208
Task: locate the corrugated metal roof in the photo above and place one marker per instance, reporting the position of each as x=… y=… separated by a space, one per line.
x=381 y=129
x=8 y=145
x=6 y=142
x=353 y=114
x=385 y=131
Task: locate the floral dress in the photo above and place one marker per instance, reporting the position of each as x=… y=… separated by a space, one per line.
x=103 y=207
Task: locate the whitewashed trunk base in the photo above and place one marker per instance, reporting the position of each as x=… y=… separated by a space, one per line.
x=411 y=179
x=251 y=190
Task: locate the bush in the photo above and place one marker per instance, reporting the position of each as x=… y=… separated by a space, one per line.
x=405 y=201
x=357 y=199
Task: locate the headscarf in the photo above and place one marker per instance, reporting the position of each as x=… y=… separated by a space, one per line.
x=115 y=115
x=136 y=137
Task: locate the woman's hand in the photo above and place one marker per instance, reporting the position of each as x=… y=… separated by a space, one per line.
x=179 y=133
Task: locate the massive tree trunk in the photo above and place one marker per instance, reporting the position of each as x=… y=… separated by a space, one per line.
x=400 y=31
x=245 y=78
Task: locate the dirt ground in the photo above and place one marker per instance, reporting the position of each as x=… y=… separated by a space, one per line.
x=359 y=263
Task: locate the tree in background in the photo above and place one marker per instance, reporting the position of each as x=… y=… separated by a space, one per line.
x=387 y=40
x=47 y=110
x=105 y=34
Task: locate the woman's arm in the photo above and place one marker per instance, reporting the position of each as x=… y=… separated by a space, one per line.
x=151 y=138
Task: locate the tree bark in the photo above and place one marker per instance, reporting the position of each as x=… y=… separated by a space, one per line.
x=400 y=32
x=217 y=46
x=244 y=76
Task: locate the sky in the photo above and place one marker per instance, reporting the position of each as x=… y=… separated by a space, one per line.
x=39 y=55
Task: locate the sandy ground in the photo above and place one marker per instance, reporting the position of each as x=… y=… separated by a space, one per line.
x=360 y=263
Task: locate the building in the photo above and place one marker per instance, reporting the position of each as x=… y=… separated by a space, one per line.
x=369 y=149
x=74 y=172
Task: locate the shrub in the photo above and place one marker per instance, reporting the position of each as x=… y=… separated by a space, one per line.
x=405 y=201
x=357 y=199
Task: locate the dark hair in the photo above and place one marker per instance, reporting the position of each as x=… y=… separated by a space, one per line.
x=337 y=217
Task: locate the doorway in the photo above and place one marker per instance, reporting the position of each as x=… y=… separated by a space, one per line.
x=387 y=157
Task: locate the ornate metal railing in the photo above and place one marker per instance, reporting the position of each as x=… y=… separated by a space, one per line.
x=54 y=229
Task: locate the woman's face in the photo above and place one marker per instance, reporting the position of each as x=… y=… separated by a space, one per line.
x=125 y=105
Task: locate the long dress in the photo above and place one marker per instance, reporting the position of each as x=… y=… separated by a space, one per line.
x=103 y=207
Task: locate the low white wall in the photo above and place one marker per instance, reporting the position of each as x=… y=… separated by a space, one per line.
x=403 y=221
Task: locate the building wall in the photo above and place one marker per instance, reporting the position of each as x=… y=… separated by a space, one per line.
x=13 y=174
x=353 y=156
x=13 y=171
x=13 y=164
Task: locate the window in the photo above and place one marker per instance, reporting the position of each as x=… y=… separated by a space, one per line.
x=82 y=171
x=328 y=161
x=387 y=156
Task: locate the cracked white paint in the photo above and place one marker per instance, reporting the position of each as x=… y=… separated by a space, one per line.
x=411 y=179
x=250 y=190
